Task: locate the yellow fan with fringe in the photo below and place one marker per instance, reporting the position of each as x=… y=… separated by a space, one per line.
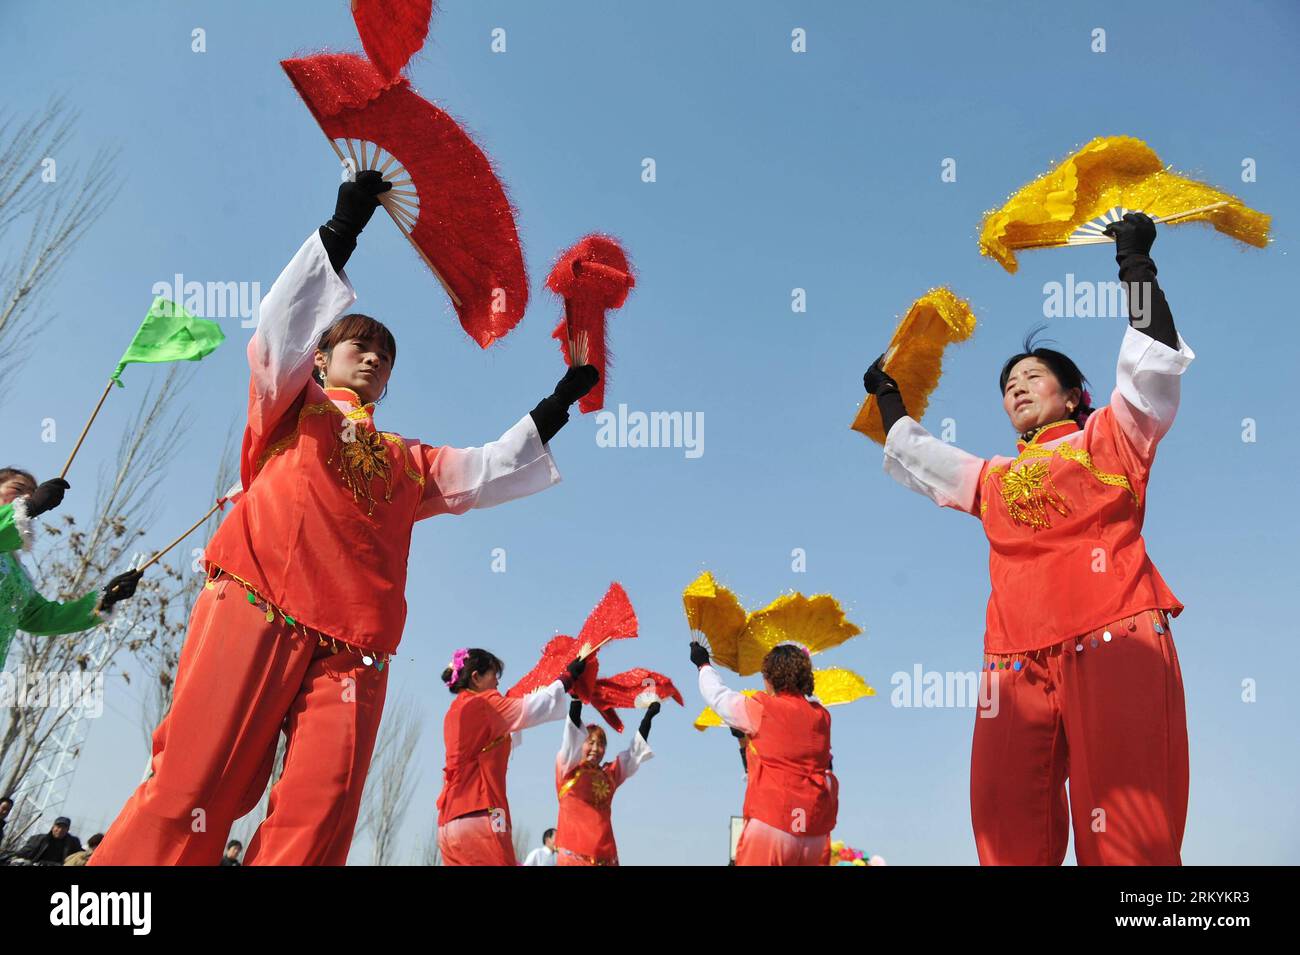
x=915 y=355
x=816 y=622
x=1109 y=176
x=833 y=687
x=714 y=611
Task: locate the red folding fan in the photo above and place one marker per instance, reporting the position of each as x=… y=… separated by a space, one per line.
x=592 y=277
x=613 y=619
x=392 y=31
x=445 y=197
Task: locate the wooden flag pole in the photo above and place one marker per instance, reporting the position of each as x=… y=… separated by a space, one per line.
x=193 y=528
x=100 y=404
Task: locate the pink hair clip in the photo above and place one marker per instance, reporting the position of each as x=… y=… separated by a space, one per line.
x=457 y=664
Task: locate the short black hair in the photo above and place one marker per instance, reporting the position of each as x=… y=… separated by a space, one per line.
x=232 y=843
x=549 y=833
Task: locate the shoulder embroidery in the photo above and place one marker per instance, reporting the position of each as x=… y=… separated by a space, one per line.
x=1027 y=489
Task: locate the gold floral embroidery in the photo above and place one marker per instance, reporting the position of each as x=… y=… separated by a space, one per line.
x=363 y=459
x=1027 y=488
x=600 y=787
x=1028 y=492
x=363 y=455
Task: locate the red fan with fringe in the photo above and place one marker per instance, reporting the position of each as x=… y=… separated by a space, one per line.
x=613 y=619
x=392 y=31
x=445 y=198
x=592 y=277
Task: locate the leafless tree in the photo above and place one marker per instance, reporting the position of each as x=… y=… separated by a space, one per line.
x=54 y=200
x=391 y=783
x=71 y=558
x=431 y=854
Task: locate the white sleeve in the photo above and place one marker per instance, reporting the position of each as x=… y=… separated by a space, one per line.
x=22 y=522
x=515 y=465
x=1147 y=386
x=570 y=753
x=543 y=706
x=728 y=704
x=533 y=857
x=304 y=301
x=942 y=472
x=630 y=760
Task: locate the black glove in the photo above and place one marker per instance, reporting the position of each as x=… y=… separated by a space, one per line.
x=651 y=712
x=356 y=203
x=1134 y=235
x=744 y=757
x=876 y=381
x=888 y=398
x=552 y=412
x=46 y=497
x=576 y=383
x=699 y=655
x=120 y=587
x=572 y=672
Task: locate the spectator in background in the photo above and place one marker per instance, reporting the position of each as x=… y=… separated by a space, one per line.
x=233 y=848
x=53 y=847
x=6 y=805
x=79 y=858
x=545 y=853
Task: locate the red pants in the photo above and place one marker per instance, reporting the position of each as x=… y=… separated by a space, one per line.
x=240 y=679
x=1109 y=717
x=761 y=844
x=476 y=840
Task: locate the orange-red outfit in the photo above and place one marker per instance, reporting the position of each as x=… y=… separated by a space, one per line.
x=479 y=733
x=584 y=834
x=1080 y=669
x=792 y=797
x=305 y=601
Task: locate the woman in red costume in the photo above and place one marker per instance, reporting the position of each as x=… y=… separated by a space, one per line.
x=305 y=599
x=585 y=832
x=792 y=798
x=478 y=735
x=1078 y=651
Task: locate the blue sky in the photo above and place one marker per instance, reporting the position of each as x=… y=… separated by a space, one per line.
x=775 y=171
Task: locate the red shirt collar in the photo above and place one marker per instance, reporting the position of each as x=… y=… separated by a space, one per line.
x=349 y=396
x=1049 y=432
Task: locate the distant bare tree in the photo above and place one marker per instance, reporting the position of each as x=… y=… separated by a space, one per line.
x=431 y=854
x=54 y=200
x=391 y=783
x=71 y=558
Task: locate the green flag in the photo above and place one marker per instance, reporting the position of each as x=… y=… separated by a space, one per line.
x=169 y=333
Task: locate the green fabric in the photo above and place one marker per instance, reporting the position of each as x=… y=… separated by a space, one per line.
x=170 y=333
x=22 y=608
x=10 y=538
